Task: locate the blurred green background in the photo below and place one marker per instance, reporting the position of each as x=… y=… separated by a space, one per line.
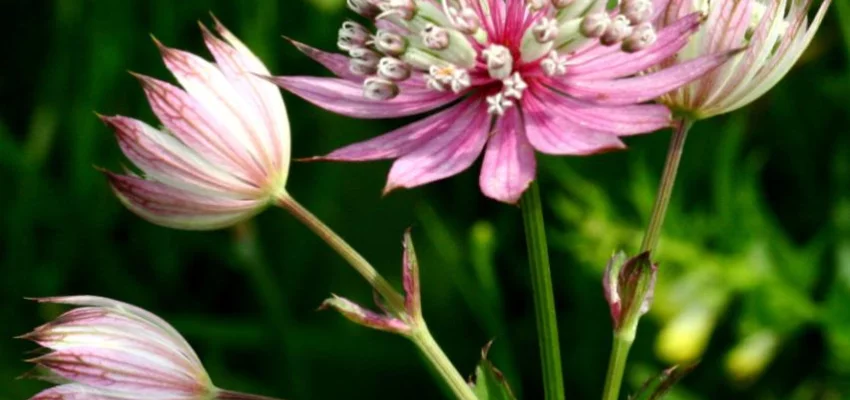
x=755 y=260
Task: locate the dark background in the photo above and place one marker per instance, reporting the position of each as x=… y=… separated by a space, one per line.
x=755 y=275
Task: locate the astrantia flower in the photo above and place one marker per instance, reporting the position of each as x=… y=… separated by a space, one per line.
x=513 y=76
x=109 y=350
x=775 y=33
x=223 y=152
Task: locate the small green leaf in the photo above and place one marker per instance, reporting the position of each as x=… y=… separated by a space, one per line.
x=488 y=382
x=657 y=387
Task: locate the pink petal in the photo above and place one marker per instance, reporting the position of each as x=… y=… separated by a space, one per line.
x=552 y=134
x=618 y=120
x=446 y=154
x=163 y=157
x=400 y=141
x=338 y=64
x=75 y=391
x=645 y=87
x=187 y=119
x=241 y=68
x=346 y=98
x=615 y=65
x=509 y=163
x=175 y=208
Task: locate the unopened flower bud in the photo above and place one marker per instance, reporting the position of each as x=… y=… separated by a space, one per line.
x=352 y=35
x=390 y=43
x=465 y=20
x=642 y=37
x=545 y=30
x=405 y=9
x=637 y=11
x=500 y=62
x=618 y=30
x=393 y=69
x=435 y=37
x=365 y=56
x=376 y=88
x=363 y=7
x=361 y=68
x=629 y=284
x=595 y=25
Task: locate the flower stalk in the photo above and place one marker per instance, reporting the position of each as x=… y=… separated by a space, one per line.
x=231 y=395
x=544 y=298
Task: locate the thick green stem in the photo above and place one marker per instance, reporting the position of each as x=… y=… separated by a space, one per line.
x=421 y=336
x=394 y=300
x=544 y=298
x=617 y=366
x=665 y=189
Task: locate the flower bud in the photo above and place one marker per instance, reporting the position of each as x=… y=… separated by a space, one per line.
x=435 y=37
x=637 y=11
x=352 y=35
x=364 y=8
x=393 y=69
x=405 y=9
x=500 y=62
x=390 y=43
x=618 y=30
x=629 y=285
x=545 y=30
x=642 y=37
x=595 y=25
x=366 y=56
x=376 y=88
x=465 y=20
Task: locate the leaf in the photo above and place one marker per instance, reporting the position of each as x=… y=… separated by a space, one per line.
x=657 y=387
x=489 y=383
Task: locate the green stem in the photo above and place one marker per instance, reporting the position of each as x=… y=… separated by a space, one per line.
x=617 y=366
x=544 y=298
x=421 y=336
x=231 y=395
x=665 y=189
x=394 y=300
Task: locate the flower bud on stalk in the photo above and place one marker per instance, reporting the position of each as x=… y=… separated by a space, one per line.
x=629 y=285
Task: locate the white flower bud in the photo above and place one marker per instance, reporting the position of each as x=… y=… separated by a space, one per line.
x=618 y=30
x=376 y=88
x=351 y=35
x=642 y=37
x=465 y=20
x=595 y=25
x=637 y=11
x=405 y=9
x=435 y=37
x=393 y=69
x=366 y=56
x=390 y=43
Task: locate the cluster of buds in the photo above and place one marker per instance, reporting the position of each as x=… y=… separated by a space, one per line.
x=630 y=28
x=403 y=319
x=629 y=285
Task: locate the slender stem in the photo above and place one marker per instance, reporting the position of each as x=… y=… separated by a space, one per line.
x=665 y=189
x=421 y=336
x=544 y=298
x=230 y=395
x=394 y=300
x=617 y=366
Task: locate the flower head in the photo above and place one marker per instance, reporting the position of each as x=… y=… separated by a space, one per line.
x=223 y=151
x=774 y=32
x=107 y=349
x=510 y=77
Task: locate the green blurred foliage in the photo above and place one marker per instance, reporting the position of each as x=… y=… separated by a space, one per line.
x=755 y=258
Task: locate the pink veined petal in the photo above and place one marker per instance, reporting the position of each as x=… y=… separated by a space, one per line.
x=211 y=89
x=642 y=88
x=338 y=64
x=400 y=141
x=183 y=116
x=241 y=66
x=724 y=31
x=164 y=158
x=619 y=120
x=670 y=40
x=552 y=134
x=346 y=98
x=446 y=154
x=76 y=391
x=509 y=164
x=175 y=208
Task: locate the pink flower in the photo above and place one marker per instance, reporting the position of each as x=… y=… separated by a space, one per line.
x=111 y=350
x=775 y=33
x=223 y=152
x=509 y=77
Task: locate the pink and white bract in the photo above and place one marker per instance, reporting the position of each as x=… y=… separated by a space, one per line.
x=775 y=34
x=509 y=77
x=224 y=151
x=106 y=349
